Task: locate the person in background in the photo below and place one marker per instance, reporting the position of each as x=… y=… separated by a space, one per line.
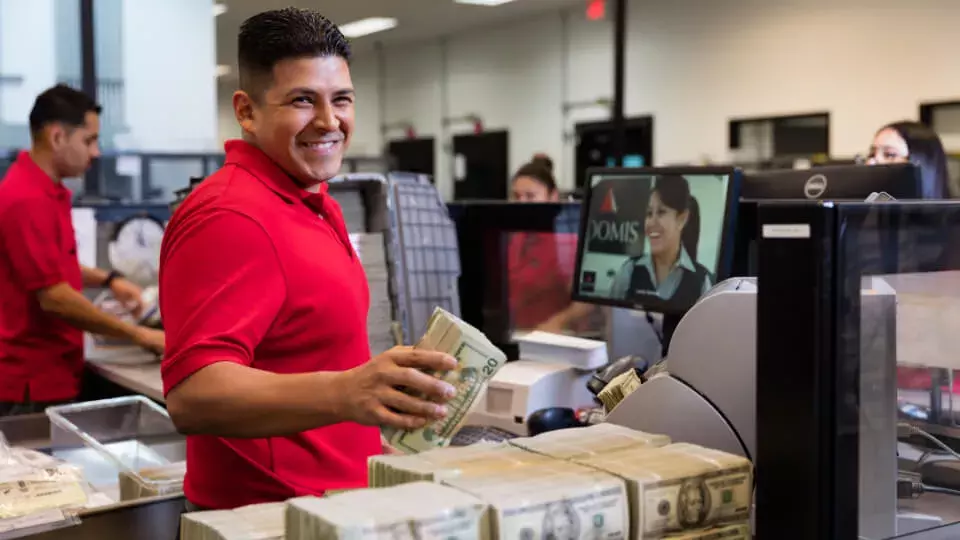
x=913 y=142
x=541 y=265
x=267 y=369
x=43 y=312
x=672 y=228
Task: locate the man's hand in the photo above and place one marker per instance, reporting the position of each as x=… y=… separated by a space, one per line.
x=150 y=339
x=372 y=393
x=129 y=294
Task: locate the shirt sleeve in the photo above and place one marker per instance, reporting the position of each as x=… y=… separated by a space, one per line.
x=221 y=287
x=30 y=235
x=621 y=283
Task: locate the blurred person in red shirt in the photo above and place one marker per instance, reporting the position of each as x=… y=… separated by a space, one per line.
x=541 y=265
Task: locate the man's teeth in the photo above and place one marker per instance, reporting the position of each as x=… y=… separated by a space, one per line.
x=322 y=145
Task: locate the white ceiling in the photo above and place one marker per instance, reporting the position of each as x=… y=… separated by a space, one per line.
x=418 y=19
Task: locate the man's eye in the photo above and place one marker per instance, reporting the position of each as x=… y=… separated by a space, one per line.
x=302 y=100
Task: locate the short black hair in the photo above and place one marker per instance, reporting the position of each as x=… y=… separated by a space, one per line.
x=281 y=34
x=61 y=105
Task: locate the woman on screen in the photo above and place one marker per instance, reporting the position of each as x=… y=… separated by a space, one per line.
x=670 y=270
x=541 y=265
x=913 y=142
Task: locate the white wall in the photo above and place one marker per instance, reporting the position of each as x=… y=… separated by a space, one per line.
x=693 y=64
x=25 y=26
x=169 y=70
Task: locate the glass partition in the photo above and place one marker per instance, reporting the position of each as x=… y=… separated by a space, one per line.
x=858 y=361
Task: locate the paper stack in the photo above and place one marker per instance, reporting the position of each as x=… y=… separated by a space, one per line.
x=478 y=361
x=579 y=443
x=372 y=253
x=619 y=388
x=421 y=510
x=152 y=482
x=555 y=499
x=450 y=462
x=680 y=487
x=739 y=531
x=254 y=522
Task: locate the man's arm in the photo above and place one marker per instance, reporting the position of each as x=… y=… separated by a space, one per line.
x=65 y=302
x=93 y=277
x=207 y=273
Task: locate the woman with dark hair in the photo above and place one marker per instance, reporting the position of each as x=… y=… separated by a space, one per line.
x=913 y=142
x=670 y=269
x=541 y=264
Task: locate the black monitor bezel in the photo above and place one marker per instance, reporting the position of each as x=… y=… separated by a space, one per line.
x=724 y=264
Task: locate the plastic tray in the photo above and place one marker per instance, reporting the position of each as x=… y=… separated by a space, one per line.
x=107 y=437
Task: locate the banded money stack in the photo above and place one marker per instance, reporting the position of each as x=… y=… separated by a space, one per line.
x=579 y=443
x=554 y=499
x=260 y=521
x=680 y=487
x=415 y=510
x=451 y=462
x=478 y=360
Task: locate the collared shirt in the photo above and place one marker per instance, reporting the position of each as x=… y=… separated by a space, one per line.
x=664 y=289
x=41 y=355
x=251 y=274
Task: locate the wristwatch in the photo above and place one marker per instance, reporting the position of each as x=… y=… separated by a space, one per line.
x=110 y=277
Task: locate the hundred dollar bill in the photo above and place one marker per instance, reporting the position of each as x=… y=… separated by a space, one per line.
x=560 y=500
x=478 y=360
x=415 y=511
x=681 y=487
x=253 y=522
x=583 y=442
x=739 y=531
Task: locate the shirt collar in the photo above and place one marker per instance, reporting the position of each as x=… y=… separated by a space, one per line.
x=686 y=262
x=257 y=163
x=40 y=179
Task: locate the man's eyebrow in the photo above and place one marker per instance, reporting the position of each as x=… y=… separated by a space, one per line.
x=345 y=92
x=301 y=91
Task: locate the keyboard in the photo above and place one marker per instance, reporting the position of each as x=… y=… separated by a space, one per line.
x=473 y=434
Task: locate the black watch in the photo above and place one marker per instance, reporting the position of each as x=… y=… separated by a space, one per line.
x=110 y=277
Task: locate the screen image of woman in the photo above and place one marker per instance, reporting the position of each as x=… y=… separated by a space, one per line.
x=669 y=269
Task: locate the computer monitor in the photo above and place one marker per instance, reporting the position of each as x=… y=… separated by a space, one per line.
x=836 y=182
x=655 y=239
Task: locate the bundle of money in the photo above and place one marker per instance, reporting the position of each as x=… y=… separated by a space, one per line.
x=450 y=462
x=259 y=521
x=373 y=256
x=582 y=442
x=740 y=531
x=415 y=510
x=619 y=388
x=554 y=499
x=680 y=487
x=478 y=360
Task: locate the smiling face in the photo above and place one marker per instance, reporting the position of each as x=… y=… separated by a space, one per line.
x=304 y=118
x=663 y=226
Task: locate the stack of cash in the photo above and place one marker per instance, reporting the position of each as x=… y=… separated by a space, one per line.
x=417 y=510
x=583 y=442
x=372 y=253
x=680 y=487
x=152 y=482
x=450 y=462
x=619 y=388
x=556 y=499
x=258 y=521
x=478 y=361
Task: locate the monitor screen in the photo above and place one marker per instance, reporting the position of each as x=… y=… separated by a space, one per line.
x=838 y=182
x=657 y=238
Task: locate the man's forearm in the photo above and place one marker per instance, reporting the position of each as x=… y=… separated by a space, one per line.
x=63 y=301
x=233 y=400
x=93 y=277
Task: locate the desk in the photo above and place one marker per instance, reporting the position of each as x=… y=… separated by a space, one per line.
x=142 y=378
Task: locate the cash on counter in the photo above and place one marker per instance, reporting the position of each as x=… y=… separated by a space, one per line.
x=599 y=482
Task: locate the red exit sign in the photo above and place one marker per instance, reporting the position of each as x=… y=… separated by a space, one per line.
x=596 y=9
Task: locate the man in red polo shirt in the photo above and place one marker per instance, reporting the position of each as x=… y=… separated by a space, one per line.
x=43 y=313
x=264 y=301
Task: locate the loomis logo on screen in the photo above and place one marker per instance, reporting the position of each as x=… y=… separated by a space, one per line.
x=616 y=215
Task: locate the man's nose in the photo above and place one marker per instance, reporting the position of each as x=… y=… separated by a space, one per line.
x=325 y=118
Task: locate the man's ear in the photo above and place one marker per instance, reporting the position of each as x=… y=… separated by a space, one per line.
x=243 y=109
x=55 y=135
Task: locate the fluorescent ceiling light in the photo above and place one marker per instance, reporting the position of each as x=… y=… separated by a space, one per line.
x=219 y=9
x=483 y=2
x=367 y=26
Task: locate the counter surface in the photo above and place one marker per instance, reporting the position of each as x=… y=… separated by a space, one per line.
x=130 y=367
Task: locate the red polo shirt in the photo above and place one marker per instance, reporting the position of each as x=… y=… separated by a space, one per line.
x=41 y=356
x=540 y=269
x=257 y=271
